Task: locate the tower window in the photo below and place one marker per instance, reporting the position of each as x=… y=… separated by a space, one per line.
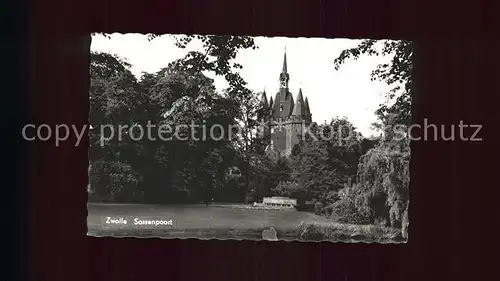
x=281 y=107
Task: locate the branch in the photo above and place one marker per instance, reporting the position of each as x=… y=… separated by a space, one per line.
x=365 y=47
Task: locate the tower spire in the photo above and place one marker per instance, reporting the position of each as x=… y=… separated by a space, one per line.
x=284 y=70
x=284 y=77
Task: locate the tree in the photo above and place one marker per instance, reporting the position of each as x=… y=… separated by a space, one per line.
x=383 y=175
x=220 y=51
x=313 y=177
x=322 y=166
x=114 y=97
x=383 y=182
x=397 y=73
x=178 y=94
x=344 y=148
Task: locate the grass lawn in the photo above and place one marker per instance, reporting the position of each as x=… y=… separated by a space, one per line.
x=195 y=218
x=199 y=221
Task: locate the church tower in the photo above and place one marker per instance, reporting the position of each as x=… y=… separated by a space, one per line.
x=287 y=117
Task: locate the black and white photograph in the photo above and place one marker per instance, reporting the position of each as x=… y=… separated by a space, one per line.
x=249 y=138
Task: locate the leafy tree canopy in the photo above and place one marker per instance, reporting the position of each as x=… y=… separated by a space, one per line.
x=397 y=73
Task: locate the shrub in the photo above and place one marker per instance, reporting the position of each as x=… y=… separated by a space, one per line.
x=310 y=232
x=344 y=211
x=347 y=232
x=319 y=208
x=307 y=206
x=329 y=210
x=332 y=196
x=405 y=223
x=113 y=181
x=380 y=221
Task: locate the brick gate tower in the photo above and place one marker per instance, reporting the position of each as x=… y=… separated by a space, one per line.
x=286 y=118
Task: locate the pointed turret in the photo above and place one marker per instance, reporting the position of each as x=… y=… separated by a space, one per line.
x=300 y=108
x=307 y=109
x=263 y=100
x=271 y=104
x=306 y=105
x=263 y=111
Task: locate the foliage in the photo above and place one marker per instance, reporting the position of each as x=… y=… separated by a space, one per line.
x=319 y=208
x=382 y=184
x=114 y=181
x=267 y=177
x=345 y=177
x=383 y=175
x=345 y=211
x=179 y=94
x=347 y=232
x=405 y=222
x=322 y=166
x=397 y=74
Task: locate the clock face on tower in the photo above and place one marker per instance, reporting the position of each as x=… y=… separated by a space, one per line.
x=283 y=83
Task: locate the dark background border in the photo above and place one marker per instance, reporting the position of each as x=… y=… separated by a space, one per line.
x=451 y=215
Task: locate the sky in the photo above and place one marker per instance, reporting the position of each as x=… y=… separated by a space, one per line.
x=347 y=92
